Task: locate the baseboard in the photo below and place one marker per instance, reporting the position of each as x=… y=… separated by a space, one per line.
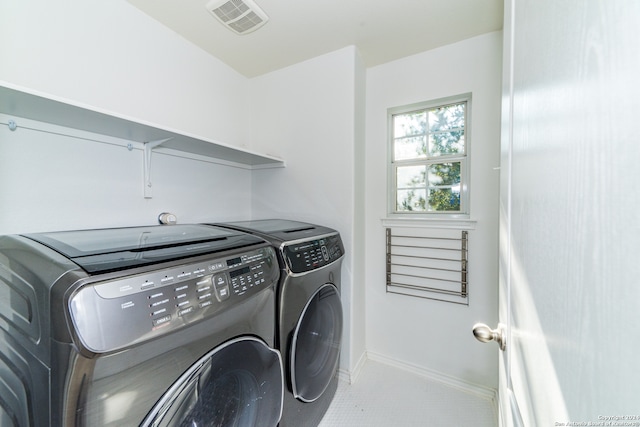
x=351 y=376
x=344 y=375
x=462 y=385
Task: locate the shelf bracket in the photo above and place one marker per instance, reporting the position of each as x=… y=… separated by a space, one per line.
x=148 y=148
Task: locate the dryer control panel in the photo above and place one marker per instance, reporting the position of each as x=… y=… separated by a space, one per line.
x=309 y=255
x=112 y=314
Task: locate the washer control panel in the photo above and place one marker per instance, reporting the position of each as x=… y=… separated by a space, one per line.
x=312 y=254
x=112 y=314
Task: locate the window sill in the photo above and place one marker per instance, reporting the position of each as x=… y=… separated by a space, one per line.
x=449 y=223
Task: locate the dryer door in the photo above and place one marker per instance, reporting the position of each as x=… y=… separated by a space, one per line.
x=315 y=347
x=239 y=383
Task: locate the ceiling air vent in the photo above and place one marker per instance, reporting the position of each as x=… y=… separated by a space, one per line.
x=240 y=16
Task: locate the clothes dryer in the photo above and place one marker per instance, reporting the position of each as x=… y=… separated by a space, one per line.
x=310 y=315
x=142 y=326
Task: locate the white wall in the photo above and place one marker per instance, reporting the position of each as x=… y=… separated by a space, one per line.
x=54 y=178
x=112 y=57
x=306 y=114
x=429 y=335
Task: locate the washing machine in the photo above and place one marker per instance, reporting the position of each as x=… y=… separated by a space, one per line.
x=139 y=326
x=309 y=313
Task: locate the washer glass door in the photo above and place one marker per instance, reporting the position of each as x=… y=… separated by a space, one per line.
x=239 y=383
x=315 y=348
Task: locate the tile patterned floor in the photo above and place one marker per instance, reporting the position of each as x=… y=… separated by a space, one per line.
x=385 y=396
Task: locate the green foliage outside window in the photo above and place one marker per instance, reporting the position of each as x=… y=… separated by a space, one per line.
x=429 y=148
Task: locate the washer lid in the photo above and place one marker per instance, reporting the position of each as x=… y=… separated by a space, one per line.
x=99 y=251
x=282 y=229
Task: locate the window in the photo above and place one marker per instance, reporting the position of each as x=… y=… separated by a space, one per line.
x=428 y=162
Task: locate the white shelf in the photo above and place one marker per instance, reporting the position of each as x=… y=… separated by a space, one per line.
x=28 y=104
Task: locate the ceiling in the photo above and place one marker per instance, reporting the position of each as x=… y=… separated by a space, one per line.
x=298 y=30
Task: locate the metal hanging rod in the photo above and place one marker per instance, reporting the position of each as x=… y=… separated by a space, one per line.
x=393 y=272
x=422 y=257
x=426 y=247
x=427 y=237
x=426 y=267
x=440 y=291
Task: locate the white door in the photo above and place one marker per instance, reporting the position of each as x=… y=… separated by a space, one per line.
x=570 y=213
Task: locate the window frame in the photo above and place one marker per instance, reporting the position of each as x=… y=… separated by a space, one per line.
x=464 y=159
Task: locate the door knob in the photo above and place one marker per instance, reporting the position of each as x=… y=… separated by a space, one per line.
x=483 y=333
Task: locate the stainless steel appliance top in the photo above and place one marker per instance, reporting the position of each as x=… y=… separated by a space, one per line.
x=104 y=250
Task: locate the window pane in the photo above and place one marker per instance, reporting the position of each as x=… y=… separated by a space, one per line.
x=444 y=174
x=429 y=145
x=442 y=143
x=445 y=118
x=412 y=200
x=409 y=148
x=409 y=124
x=411 y=176
x=444 y=199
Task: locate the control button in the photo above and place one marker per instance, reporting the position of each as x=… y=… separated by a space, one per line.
x=182 y=304
x=206 y=303
x=167 y=279
x=162 y=320
x=154 y=296
x=184 y=275
x=155 y=313
x=205 y=281
x=325 y=253
x=146 y=285
x=222 y=294
x=184 y=311
x=158 y=303
x=221 y=287
x=205 y=296
x=182 y=288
